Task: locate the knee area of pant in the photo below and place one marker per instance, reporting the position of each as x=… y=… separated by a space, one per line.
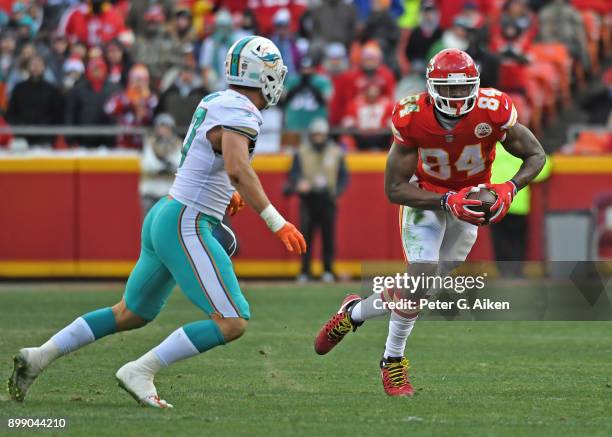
x=125 y=318
x=232 y=327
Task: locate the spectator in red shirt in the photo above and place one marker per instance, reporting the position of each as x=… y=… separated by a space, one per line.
x=265 y=10
x=336 y=68
x=515 y=15
x=134 y=106
x=370 y=114
x=95 y=22
x=354 y=82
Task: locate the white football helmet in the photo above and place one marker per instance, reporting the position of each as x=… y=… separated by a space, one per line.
x=255 y=62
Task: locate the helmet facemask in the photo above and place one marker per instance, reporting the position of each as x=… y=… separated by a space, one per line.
x=272 y=80
x=455 y=95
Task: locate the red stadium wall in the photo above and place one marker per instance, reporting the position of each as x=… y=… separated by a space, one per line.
x=76 y=216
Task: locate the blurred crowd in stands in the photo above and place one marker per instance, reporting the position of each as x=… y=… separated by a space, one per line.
x=124 y=63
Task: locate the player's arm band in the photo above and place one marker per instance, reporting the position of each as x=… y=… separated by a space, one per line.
x=444 y=199
x=516 y=186
x=272 y=217
x=248 y=132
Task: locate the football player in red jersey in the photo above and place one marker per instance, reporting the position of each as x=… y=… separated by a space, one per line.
x=444 y=145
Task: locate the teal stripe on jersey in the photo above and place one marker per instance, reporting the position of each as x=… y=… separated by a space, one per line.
x=236 y=55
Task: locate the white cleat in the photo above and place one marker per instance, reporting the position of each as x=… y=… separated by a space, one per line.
x=26 y=367
x=138 y=382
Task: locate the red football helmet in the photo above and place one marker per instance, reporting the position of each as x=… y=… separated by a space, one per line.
x=452 y=82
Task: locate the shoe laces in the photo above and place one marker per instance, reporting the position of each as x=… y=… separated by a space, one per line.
x=397 y=373
x=338 y=327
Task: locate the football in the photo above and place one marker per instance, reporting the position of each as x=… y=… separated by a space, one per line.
x=488 y=198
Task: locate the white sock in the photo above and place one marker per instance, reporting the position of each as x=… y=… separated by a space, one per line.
x=71 y=338
x=399 y=330
x=368 y=308
x=175 y=347
x=150 y=362
x=48 y=353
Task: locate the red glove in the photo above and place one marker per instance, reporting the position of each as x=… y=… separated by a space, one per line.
x=505 y=193
x=455 y=203
x=236 y=204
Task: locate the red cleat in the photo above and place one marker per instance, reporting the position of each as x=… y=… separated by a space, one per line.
x=394 y=373
x=337 y=327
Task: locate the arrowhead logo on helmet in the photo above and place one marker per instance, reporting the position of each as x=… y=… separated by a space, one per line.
x=452 y=82
x=255 y=62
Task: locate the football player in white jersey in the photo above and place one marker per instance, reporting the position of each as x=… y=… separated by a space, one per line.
x=177 y=243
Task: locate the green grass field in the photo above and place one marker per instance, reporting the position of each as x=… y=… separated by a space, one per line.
x=472 y=378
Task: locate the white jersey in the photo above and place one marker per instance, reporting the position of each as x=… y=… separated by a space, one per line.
x=201 y=181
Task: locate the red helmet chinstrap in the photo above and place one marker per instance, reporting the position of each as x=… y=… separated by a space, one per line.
x=453 y=67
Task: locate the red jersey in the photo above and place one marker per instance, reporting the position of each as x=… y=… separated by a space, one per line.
x=459 y=157
x=79 y=24
x=368 y=116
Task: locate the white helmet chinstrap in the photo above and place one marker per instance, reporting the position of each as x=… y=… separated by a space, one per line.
x=255 y=62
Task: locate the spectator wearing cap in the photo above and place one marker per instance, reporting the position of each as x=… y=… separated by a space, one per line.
x=133 y=106
x=137 y=10
x=85 y=103
x=318 y=175
x=475 y=21
x=450 y=9
x=516 y=28
x=36 y=101
x=370 y=70
x=285 y=40
x=213 y=51
x=369 y=115
x=305 y=100
x=93 y=22
x=182 y=97
x=161 y=156
x=336 y=67
x=73 y=71
x=182 y=30
x=154 y=47
x=333 y=21
x=415 y=44
x=382 y=27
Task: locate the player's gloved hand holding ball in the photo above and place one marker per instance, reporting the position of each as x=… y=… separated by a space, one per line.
x=481 y=205
x=456 y=203
x=505 y=193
